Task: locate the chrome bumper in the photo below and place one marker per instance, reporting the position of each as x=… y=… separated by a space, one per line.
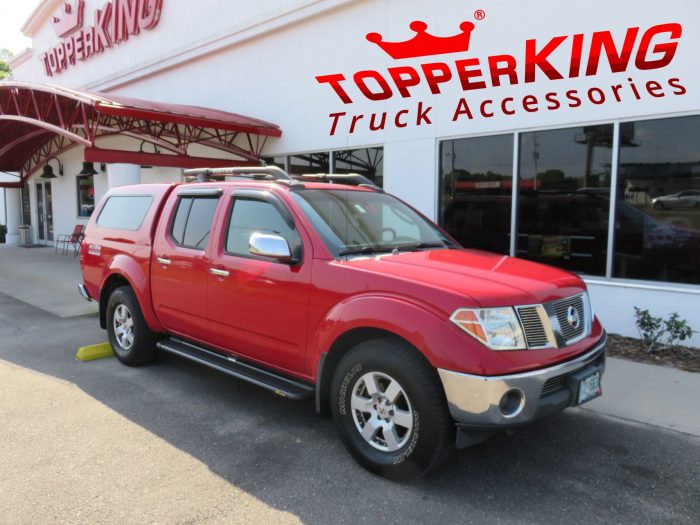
x=479 y=400
x=83 y=291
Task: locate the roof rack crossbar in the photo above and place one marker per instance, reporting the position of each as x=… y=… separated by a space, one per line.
x=354 y=179
x=261 y=172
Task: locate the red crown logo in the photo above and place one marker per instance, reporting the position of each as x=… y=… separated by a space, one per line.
x=71 y=20
x=425 y=44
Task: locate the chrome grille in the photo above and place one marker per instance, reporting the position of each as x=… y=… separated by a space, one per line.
x=535 y=334
x=562 y=309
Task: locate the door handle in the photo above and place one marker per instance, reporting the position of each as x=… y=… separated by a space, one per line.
x=220 y=273
x=163 y=260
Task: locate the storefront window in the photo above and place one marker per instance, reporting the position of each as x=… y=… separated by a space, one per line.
x=86 y=195
x=657 y=226
x=275 y=161
x=309 y=163
x=368 y=162
x=476 y=180
x=564 y=197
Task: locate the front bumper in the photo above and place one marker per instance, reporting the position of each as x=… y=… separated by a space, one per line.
x=478 y=401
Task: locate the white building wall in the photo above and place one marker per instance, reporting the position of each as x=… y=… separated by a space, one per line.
x=262 y=59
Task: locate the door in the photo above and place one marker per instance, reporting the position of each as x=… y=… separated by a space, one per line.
x=258 y=307
x=44 y=206
x=180 y=264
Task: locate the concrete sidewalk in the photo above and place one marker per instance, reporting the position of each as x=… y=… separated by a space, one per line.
x=651 y=394
x=46 y=280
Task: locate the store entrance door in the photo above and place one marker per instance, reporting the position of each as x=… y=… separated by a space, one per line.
x=44 y=206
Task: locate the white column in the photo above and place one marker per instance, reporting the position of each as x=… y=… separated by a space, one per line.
x=123 y=174
x=13 y=202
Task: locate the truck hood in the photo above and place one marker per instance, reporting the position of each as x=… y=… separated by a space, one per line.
x=489 y=279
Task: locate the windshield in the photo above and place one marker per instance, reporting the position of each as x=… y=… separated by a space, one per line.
x=361 y=222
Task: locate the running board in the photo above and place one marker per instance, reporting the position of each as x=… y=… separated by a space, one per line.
x=232 y=366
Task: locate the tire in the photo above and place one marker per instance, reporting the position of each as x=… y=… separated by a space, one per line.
x=133 y=342
x=415 y=433
x=658 y=205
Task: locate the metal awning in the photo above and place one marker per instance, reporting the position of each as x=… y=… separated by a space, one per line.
x=38 y=121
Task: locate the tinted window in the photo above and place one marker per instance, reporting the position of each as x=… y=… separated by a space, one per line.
x=254 y=216
x=309 y=163
x=564 y=185
x=657 y=225
x=192 y=222
x=476 y=181
x=124 y=213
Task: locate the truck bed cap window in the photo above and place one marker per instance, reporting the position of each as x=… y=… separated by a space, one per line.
x=124 y=212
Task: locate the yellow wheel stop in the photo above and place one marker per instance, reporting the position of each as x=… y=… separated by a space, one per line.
x=88 y=353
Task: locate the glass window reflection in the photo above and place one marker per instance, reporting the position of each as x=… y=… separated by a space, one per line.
x=476 y=180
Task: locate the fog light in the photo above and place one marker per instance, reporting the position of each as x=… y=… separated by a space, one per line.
x=512 y=403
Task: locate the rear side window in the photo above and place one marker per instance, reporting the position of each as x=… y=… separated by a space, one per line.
x=124 y=212
x=192 y=222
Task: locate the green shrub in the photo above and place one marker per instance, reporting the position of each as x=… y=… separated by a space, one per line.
x=658 y=334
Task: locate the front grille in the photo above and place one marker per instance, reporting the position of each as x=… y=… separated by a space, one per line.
x=554 y=384
x=535 y=334
x=570 y=331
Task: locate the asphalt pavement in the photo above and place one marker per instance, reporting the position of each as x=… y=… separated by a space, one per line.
x=98 y=442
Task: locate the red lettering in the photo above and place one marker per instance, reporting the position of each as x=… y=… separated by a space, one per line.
x=462 y=109
x=149 y=14
x=404 y=77
x=355 y=120
x=504 y=106
x=634 y=89
x=359 y=79
x=61 y=57
x=397 y=118
x=679 y=88
x=530 y=103
x=553 y=100
x=600 y=95
x=576 y=52
x=435 y=74
x=376 y=127
x=618 y=61
x=45 y=61
x=422 y=115
x=70 y=51
x=667 y=49
x=574 y=100
x=507 y=69
x=482 y=108
x=465 y=74
x=102 y=39
x=534 y=59
x=127 y=21
x=334 y=81
x=655 y=89
x=616 y=91
x=336 y=117
x=88 y=42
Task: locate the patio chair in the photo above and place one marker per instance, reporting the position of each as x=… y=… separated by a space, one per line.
x=71 y=239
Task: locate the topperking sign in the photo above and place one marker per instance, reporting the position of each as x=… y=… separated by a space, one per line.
x=484 y=79
x=115 y=22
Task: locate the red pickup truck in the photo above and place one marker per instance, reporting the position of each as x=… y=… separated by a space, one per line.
x=312 y=287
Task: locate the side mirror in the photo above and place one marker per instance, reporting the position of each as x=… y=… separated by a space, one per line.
x=270 y=246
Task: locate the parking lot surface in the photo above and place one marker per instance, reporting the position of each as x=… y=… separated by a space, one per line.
x=97 y=442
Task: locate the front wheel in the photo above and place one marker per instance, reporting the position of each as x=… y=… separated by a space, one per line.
x=390 y=410
x=131 y=339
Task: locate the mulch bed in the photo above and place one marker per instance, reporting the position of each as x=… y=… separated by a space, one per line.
x=684 y=358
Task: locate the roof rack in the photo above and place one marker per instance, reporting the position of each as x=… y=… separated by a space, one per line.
x=273 y=173
x=253 y=172
x=351 y=179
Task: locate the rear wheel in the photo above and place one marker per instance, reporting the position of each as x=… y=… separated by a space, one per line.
x=390 y=410
x=131 y=339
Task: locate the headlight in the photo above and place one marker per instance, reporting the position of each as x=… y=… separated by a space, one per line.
x=497 y=328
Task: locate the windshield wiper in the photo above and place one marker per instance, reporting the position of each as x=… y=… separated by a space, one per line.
x=357 y=250
x=420 y=246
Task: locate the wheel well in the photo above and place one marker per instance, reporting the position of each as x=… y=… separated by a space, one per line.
x=342 y=346
x=113 y=282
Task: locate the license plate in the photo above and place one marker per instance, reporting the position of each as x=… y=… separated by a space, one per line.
x=589 y=388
